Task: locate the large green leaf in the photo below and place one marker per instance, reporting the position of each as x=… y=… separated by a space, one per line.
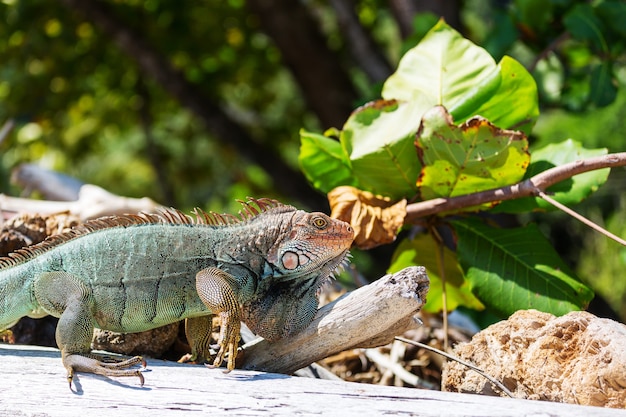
x=442 y=67
x=569 y=192
x=504 y=106
x=378 y=138
x=423 y=251
x=323 y=162
x=472 y=157
x=603 y=87
x=447 y=69
x=613 y=14
x=513 y=269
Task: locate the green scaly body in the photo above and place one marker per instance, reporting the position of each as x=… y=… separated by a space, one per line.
x=135 y=273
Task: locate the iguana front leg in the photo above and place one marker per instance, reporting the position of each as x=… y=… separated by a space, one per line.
x=67 y=297
x=219 y=291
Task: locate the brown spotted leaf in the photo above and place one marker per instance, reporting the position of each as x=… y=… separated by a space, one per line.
x=469 y=158
x=376 y=220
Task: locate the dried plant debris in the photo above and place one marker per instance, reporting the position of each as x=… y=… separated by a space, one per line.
x=398 y=364
x=28 y=229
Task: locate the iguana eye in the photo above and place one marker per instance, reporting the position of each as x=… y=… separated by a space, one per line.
x=319 y=222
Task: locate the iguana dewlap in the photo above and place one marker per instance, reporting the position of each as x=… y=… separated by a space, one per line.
x=136 y=272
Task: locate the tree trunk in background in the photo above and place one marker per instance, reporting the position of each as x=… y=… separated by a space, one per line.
x=325 y=85
x=287 y=181
x=364 y=50
x=405 y=10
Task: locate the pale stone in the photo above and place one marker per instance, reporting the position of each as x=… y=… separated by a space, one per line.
x=577 y=358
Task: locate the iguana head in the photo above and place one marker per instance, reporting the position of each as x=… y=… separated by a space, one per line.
x=310 y=243
x=310 y=247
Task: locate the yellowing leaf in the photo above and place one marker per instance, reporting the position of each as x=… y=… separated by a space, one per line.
x=376 y=220
x=472 y=157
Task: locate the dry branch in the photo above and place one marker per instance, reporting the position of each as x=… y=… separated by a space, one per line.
x=86 y=201
x=93 y=202
x=367 y=317
x=527 y=188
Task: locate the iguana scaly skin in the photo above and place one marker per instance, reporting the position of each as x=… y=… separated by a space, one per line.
x=136 y=272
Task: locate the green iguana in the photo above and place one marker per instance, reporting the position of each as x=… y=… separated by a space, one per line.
x=133 y=273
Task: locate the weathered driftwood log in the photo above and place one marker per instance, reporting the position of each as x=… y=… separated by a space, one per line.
x=33 y=385
x=367 y=317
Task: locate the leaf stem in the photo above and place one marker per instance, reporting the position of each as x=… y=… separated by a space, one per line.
x=442 y=275
x=580 y=218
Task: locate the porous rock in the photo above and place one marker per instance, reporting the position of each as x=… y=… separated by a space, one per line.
x=577 y=358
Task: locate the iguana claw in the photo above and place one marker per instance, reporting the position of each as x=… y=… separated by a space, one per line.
x=229 y=340
x=102 y=365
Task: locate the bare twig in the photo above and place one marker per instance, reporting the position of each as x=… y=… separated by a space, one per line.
x=527 y=188
x=93 y=202
x=580 y=218
x=461 y=361
x=442 y=275
x=50 y=185
x=398 y=370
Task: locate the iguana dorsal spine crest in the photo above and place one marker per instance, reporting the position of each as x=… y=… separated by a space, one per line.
x=251 y=208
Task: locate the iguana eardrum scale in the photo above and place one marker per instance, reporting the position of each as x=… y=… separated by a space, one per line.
x=137 y=272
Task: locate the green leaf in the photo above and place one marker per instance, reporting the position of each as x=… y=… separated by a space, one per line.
x=584 y=25
x=423 y=251
x=467 y=105
x=513 y=269
x=503 y=34
x=444 y=68
x=441 y=68
x=323 y=162
x=603 y=88
x=569 y=192
x=535 y=15
x=473 y=157
x=504 y=107
x=613 y=13
x=447 y=69
x=378 y=138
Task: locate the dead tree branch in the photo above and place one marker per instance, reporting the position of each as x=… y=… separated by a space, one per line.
x=527 y=188
x=66 y=194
